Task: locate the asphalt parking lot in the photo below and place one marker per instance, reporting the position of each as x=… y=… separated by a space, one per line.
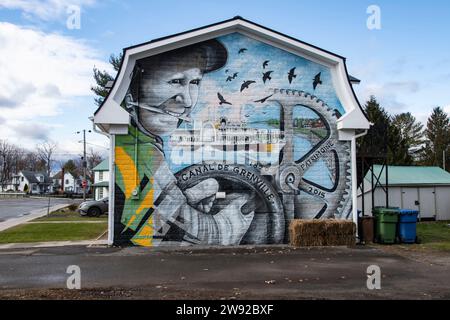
x=277 y=272
x=14 y=208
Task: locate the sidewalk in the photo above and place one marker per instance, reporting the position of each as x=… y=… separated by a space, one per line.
x=31 y=216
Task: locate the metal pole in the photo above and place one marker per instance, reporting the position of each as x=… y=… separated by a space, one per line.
x=387 y=184
x=443 y=158
x=84 y=164
x=362 y=186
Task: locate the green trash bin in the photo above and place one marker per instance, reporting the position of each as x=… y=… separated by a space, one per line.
x=385 y=224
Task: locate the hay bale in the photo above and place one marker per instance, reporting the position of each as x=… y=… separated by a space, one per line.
x=329 y=232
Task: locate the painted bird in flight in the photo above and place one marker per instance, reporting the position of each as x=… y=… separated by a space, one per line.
x=229 y=78
x=222 y=99
x=246 y=84
x=317 y=80
x=266 y=76
x=265 y=63
x=235 y=75
x=264 y=99
x=291 y=75
x=242 y=50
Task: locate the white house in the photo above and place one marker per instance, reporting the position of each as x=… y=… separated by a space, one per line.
x=426 y=189
x=71 y=184
x=30 y=182
x=101 y=180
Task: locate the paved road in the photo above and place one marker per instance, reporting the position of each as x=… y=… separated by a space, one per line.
x=242 y=273
x=14 y=208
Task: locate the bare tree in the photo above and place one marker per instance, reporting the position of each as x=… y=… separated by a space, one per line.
x=93 y=158
x=6 y=163
x=45 y=152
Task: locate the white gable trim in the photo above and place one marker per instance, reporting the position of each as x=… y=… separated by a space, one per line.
x=111 y=113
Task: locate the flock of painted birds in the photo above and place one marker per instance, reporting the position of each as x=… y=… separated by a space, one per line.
x=266 y=76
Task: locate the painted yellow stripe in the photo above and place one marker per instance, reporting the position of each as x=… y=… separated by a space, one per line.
x=145 y=236
x=127 y=169
x=146 y=203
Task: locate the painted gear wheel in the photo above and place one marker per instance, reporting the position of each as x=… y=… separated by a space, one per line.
x=335 y=200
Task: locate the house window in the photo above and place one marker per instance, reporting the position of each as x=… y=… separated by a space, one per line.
x=100 y=176
x=67 y=181
x=100 y=193
x=21 y=179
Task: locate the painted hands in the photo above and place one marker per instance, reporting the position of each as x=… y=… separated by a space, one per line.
x=227 y=220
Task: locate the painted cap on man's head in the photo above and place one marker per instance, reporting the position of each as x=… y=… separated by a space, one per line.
x=208 y=55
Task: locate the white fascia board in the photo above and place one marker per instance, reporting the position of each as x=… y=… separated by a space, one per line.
x=111 y=113
x=353 y=120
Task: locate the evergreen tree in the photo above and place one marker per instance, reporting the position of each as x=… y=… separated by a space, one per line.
x=383 y=137
x=72 y=168
x=411 y=131
x=438 y=139
x=102 y=78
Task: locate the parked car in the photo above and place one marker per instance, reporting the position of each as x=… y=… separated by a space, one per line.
x=93 y=208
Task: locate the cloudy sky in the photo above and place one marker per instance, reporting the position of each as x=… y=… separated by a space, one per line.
x=46 y=67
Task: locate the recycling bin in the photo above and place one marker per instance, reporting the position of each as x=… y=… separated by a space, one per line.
x=407 y=225
x=385 y=224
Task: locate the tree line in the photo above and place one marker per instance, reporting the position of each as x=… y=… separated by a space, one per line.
x=43 y=158
x=405 y=140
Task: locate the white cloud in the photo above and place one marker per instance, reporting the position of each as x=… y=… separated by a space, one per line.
x=447 y=109
x=46 y=10
x=40 y=74
x=389 y=93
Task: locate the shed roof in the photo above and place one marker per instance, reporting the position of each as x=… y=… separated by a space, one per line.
x=411 y=175
x=102 y=166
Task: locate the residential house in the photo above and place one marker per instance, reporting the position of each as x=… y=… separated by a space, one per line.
x=101 y=180
x=31 y=182
x=71 y=184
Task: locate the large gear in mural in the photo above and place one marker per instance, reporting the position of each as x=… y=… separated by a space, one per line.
x=291 y=178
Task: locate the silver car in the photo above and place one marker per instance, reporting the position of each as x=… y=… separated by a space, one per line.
x=93 y=208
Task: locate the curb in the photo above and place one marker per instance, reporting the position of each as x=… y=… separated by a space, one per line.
x=31 y=245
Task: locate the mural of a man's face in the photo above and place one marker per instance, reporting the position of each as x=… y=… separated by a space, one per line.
x=172 y=86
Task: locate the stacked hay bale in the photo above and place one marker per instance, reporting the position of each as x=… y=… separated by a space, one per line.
x=330 y=232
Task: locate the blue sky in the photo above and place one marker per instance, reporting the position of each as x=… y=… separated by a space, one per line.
x=406 y=63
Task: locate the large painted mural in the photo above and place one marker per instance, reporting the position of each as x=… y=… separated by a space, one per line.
x=230 y=139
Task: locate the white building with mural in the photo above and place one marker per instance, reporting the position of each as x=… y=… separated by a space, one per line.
x=223 y=134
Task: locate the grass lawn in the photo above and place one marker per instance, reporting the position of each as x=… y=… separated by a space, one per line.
x=76 y=228
x=434 y=235
x=69 y=216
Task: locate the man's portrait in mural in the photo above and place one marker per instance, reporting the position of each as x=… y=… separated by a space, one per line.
x=163 y=92
x=271 y=151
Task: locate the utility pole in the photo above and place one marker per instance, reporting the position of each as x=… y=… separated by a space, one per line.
x=84 y=163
